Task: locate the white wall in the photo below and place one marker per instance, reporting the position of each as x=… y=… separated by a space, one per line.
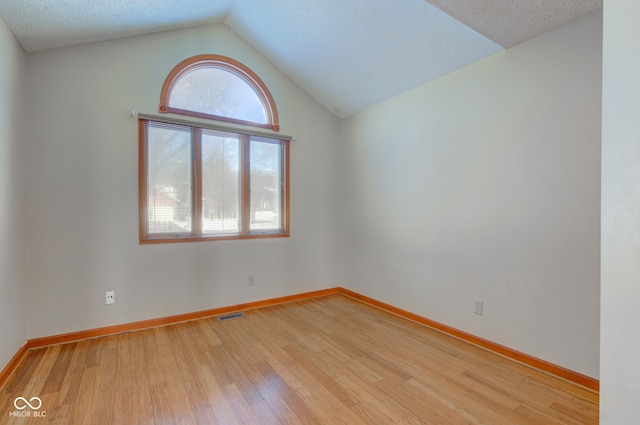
x=12 y=251
x=83 y=203
x=486 y=184
x=620 y=282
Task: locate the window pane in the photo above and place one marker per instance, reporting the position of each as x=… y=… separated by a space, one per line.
x=169 y=179
x=219 y=92
x=266 y=190
x=220 y=183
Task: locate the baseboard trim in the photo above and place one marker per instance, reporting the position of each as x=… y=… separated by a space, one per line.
x=13 y=365
x=553 y=369
x=170 y=320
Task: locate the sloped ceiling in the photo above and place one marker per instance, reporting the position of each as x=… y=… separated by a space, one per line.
x=510 y=22
x=349 y=55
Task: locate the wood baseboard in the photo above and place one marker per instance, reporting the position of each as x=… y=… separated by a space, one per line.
x=169 y=320
x=559 y=371
x=12 y=366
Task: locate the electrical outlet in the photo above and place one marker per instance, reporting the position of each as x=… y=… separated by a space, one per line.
x=252 y=280
x=110 y=297
x=478 y=307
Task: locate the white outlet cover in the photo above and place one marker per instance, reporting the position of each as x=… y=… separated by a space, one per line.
x=110 y=297
x=478 y=306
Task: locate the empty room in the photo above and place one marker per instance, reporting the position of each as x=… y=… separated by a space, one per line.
x=319 y=212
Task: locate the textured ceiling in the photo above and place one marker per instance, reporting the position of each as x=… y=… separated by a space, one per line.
x=48 y=24
x=349 y=55
x=353 y=54
x=509 y=22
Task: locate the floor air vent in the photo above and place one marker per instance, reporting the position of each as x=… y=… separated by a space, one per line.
x=230 y=316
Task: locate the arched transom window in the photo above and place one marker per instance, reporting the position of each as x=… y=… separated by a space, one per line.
x=219 y=88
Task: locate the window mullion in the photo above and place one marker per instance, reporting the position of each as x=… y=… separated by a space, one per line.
x=197 y=180
x=245 y=184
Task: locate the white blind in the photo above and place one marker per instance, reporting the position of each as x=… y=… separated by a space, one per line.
x=211 y=125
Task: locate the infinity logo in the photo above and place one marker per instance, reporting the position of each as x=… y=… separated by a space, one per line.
x=34 y=406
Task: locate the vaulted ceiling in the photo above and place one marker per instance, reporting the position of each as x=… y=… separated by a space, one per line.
x=349 y=55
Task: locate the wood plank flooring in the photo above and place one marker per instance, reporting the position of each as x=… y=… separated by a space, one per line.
x=330 y=360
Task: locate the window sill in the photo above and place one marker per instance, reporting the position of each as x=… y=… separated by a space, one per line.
x=226 y=237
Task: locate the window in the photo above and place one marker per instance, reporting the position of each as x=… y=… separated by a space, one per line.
x=201 y=180
x=220 y=88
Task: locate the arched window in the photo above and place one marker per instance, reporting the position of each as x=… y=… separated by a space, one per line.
x=202 y=180
x=219 y=88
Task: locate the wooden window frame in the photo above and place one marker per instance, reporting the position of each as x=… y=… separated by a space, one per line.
x=227 y=64
x=196 y=233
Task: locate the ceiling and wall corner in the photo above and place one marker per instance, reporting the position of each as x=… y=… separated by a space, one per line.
x=348 y=55
x=509 y=22
x=49 y=24
x=352 y=55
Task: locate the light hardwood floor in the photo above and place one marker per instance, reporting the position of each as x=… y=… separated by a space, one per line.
x=330 y=360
